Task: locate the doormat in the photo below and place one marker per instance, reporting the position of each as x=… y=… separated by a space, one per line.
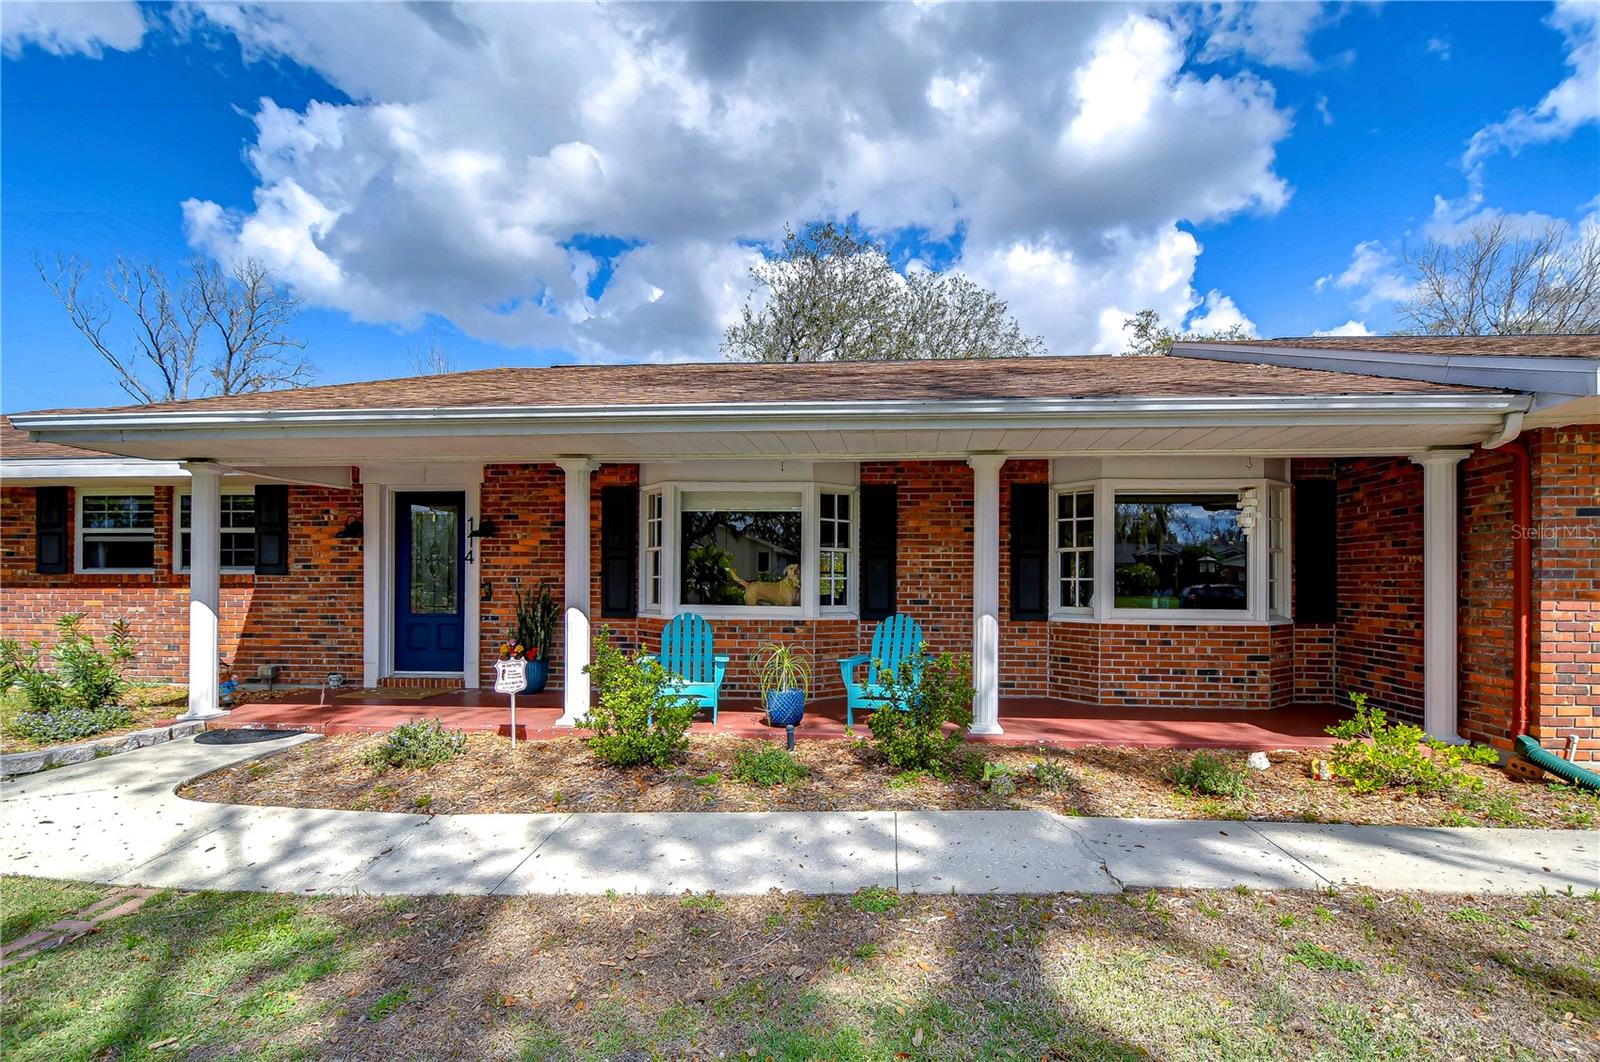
x=243 y=736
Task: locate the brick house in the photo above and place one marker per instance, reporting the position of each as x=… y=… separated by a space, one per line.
x=1244 y=525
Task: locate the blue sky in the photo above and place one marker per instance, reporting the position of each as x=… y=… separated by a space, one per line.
x=538 y=184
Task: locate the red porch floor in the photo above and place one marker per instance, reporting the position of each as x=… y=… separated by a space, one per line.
x=1027 y=720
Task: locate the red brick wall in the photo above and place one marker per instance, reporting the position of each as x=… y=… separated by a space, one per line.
x=308 y=621
x=1486 y=637
x=1566 y=584
x=1378 y=646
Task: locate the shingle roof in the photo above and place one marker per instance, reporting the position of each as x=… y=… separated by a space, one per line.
x=1554 y=346
x=704 y=383
x=14 y=444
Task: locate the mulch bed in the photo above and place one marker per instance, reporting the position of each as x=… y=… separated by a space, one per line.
x=562 y=775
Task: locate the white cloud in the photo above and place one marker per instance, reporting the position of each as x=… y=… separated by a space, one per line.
x=1349 y=328
x=1373 y=274
x=1218 y=313
x=1277 y=34
x=1573 y=103
x=1440 y=47
x=65 y=28
x=1323 y=112
x=1066 y=143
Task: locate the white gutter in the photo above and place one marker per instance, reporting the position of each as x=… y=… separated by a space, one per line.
x=63 y=468
x=1555 y=376
x=795 y=416
x=1509 y=430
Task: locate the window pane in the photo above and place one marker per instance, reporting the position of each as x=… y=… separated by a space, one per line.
x=118 y=553
x=238 y=511
x=1180 y=551
x=1085 y=505
x=238 y=549
x=122 y=511
x=844 y=507
x=433 y=559
x=721 y=549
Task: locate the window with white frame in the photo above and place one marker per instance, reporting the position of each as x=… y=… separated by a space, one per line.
x=238 y=531
x=1074 y=550
x=116 y=532
x=1180 y=550
x=1278 y=588
x=786 y=548
x=651 y=586
x=836 y=542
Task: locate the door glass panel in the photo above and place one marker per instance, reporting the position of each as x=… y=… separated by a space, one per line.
x=433 y=559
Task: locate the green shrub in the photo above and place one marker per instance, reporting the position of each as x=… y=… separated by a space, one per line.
x=1053 y=776
x=1001 y=779
x=1373 y=753
x=767 y=767
x=419 y=743
x=70 y=724
x=875 y=899
x=910 y=730
x=84 y=676
x=1210 y=776
x=637 y=719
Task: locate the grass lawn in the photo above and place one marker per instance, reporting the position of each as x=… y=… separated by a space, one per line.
x=561 y=775
x=151 y=703
x=1221 y=975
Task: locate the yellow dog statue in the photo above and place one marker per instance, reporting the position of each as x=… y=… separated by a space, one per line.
x=785 y=591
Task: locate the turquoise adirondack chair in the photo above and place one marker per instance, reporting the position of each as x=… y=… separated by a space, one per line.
x=686 y=654
x=897 y=640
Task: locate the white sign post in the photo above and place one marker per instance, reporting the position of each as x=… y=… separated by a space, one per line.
x=509 y=677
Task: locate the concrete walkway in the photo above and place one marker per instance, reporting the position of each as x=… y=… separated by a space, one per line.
x=118 y=821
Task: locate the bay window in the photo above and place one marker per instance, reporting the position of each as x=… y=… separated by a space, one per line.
x=116 y=531
x=1169 y=551
x=739 y=548
x=836 y=544
x=651 y=585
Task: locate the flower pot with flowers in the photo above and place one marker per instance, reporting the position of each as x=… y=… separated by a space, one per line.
x=537 y=616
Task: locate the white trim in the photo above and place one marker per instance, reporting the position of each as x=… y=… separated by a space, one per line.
x=53 y=469
x=178 y=567
x=78 y=495
x=380 y=484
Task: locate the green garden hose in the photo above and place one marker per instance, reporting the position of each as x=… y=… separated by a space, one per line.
x=1535 y=754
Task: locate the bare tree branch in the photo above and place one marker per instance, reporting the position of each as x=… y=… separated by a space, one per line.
x=1500 y=280
x=434 y=359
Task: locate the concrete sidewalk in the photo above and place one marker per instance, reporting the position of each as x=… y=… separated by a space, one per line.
x=118 y=821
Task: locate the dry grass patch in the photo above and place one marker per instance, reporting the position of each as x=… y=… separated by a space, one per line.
x=561 y=775
x=1167 y=975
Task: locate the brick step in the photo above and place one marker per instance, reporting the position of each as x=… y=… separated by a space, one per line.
x=421 y=682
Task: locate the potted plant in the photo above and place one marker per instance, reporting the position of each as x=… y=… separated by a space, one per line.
x=784 y=673
x=537 y=616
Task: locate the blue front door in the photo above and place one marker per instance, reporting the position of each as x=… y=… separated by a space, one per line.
x=429 y=543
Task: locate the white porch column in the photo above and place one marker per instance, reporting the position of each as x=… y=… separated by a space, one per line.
x=205 y=586
x=1439 y=593
x=986 y=592
x=575 y=629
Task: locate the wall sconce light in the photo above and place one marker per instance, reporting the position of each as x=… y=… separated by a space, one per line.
x=1249 y=509
x=485 y=529
x=352 y=529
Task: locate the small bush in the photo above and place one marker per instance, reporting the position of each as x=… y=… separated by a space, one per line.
x=875 y=899
x=910 y=730
x=84 y=676
x=1373 y=753
x=637 y=718
x=767 y=767
x=1001 y=780
x=419 y=743
x=1210 y=776
x=70 y=724
x=1052 y=776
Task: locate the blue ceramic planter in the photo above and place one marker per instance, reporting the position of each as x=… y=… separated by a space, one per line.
x=786 y=707
x=538 y=675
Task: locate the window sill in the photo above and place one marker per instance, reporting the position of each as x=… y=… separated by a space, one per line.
x=743 y=612
x=1169 y=619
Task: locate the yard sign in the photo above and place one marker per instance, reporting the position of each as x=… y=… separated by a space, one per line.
x=509 y=677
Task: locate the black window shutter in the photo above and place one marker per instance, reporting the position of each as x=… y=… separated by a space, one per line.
x=1316 y=552
x=879 y=540
x=619 y=551
x=1030 y=556
x=50 y=526
x=272 y=529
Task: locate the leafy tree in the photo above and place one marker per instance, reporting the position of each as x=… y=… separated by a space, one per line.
x=204 y=331
x=830 y=294
x=1148 y=335
x=1499 y=279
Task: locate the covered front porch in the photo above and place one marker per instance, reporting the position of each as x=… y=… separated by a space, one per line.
x=1029 y=720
